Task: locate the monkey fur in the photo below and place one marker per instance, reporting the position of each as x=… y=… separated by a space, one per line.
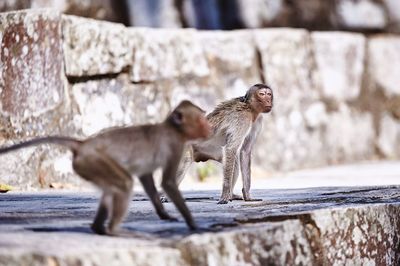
x=110 y=158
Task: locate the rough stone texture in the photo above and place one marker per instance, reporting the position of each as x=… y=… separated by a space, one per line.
x=31 y=63
x=232 y=59
x=118 y=76
x=110 y=102
x=320 y=226
x=349 y=136
x=393 y=9
x=287 y=65
x=339 y=59
x=165 y=54
x=383 y=58
x=94 y=47
x=389 y=136
x=367 y=235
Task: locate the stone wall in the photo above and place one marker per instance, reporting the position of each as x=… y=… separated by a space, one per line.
x=337 y=95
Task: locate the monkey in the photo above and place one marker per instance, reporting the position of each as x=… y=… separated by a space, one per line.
x=235 y=123
x=110 y=159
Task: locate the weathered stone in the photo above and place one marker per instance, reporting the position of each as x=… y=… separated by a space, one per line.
x=349 y=136
x=362 y=15
x=358 y=236
x=94 y=47
x=393 y=9
x=283 y=244
x=291 y=141
x=383 y=64
x=99 y=104
x=232 y=58
x=389 y=136
x=161 y=54
x=287 y=65
x=339 y=59
x=201 y=91
x=116 y=102
x=31 y=63
x=20 y=168
x=316 y=115
x=314 y=226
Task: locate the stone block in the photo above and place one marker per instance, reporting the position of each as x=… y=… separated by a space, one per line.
x=389 y=136
x=161 y=54
x=94 y=47
x=108 y=102
x=383 y=64
x=349 y=135
x=339 y=59
x=287 y=66
x=393 y=10
x=31 y=66
x=232 y=59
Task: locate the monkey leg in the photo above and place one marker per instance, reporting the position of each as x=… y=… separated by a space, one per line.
x=245 y=163
x=151 y=191
x=102 y=214
x=120 y=206
x=183 y=168
x=229 y=165
x=235 y=177
x=115 y=182
x=171 y=189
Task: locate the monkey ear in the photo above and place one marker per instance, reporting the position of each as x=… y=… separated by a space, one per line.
x=176 y=118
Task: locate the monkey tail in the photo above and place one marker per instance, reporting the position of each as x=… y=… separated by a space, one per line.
x=70 y=143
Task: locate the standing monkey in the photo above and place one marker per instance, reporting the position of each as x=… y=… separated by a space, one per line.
x=110 y=158
x=235 y=124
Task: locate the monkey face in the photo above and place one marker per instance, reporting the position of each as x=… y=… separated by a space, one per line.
x=264 y=100
x=191 y=120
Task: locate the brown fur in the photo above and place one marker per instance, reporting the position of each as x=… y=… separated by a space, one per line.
x=235 y=124
x=110 y=158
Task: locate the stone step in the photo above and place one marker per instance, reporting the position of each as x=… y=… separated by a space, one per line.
x=314 y=226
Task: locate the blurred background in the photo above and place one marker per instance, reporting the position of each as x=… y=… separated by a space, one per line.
x=334 y=66
x=358 y=15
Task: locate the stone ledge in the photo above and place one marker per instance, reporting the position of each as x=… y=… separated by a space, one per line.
x=319 y=226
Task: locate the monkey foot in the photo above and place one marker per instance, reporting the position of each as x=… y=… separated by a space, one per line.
x=169 y=218
x=251 y=199
x=100 y=230
x=223 y=201
x=236 y=197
